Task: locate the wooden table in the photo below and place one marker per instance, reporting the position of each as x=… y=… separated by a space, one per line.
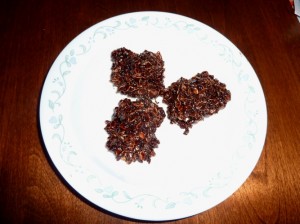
x=34 y=32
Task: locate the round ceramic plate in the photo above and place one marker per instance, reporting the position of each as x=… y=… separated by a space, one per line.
x=190 y=173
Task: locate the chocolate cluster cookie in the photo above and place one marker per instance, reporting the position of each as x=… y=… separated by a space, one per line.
x=138 y=75
x=132 y=130
x=190 y=100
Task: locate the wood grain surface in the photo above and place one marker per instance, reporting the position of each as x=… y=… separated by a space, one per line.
x=33 y=33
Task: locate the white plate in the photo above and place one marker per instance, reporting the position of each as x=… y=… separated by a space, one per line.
x=189 y=174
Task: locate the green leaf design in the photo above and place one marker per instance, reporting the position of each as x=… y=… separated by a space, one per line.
x=170 y=205
x=127 y=195
x=51 y=104
x=99 y=190
x=115 y=193
x=65 y=73
x=57 y=136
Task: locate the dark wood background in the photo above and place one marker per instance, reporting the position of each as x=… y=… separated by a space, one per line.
x=32 y=34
